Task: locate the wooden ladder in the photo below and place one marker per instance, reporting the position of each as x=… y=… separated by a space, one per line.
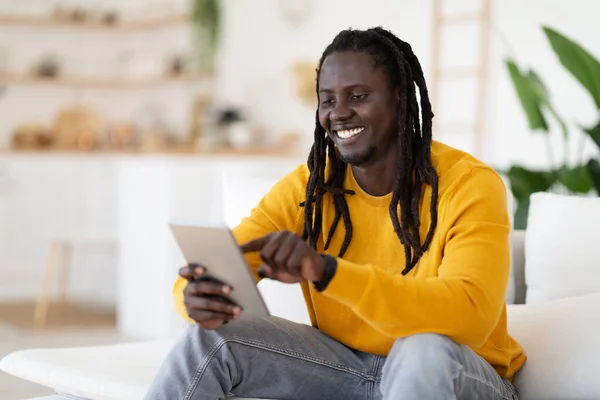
x=479 y=72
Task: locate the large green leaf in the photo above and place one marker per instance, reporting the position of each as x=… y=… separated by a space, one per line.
x=524 y=182
x=529 y=95
x=577 y=180
x=538 y=85
x=543 y=98
x=578 y=61
x=593 y=167
x=594 y=134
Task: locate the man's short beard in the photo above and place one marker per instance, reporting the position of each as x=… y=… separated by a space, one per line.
x=360 y=159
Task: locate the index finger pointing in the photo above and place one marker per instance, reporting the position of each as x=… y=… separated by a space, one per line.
x=256 y=244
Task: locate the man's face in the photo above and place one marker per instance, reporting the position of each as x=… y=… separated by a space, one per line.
x=357 y=107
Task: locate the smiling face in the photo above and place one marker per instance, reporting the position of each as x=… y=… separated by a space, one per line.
x=358 y=107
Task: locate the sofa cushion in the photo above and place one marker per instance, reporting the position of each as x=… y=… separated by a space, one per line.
x=116 y=372
x=561 y=339
x=562 y=248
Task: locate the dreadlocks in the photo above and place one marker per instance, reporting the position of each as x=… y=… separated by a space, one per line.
x=414 y=168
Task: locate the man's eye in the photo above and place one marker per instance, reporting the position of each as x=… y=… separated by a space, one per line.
x=359 y=97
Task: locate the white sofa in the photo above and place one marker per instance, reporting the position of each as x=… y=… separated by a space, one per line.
x=559 y=329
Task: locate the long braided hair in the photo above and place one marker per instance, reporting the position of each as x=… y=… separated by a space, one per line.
x=414 y=168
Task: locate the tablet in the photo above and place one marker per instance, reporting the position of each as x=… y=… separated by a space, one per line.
x=215 y=248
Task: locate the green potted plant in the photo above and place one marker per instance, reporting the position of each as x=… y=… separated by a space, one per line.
x=577 y=176
x=206 y=19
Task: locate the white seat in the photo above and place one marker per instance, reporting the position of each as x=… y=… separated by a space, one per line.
x=115 y=372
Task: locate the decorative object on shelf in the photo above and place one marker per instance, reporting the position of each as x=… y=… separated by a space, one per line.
x=30 y=136
x=78 y=15
x=199 y=119
x=305 y=74
x=177 y=65
x=110 y=18
x=567 y=175
x=48 y=67
x=206 y=19
x=236 y=130
x=123 y=136
x=77 y=128
x=154 y=133
x=152 y=142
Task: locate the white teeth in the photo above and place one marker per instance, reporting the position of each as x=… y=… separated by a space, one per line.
x=347 y=133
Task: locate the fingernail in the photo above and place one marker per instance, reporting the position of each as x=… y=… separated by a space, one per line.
x=237 y=310
x=200 y=270
x=226 y=290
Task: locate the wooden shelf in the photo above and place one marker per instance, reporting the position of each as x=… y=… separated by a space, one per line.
x=119 y=26
x=215 y=152
x=102 y=83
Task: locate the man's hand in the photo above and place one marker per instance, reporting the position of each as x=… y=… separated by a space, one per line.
x=287 y=258
x=206 y=299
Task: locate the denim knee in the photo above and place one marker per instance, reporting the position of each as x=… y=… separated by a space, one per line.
x=423 y=351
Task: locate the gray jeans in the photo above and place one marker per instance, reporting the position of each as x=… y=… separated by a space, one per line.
x=277 y=359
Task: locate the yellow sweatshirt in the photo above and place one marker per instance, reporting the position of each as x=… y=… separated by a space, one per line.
x=457 y=289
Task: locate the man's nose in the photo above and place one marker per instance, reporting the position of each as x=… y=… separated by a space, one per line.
x=341 y=111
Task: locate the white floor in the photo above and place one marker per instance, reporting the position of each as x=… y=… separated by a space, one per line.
x=12 y=339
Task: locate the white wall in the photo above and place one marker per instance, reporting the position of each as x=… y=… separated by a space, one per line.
x=258 y=49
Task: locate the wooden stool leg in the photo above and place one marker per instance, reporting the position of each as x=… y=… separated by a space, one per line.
x=63 y=274
x=40 y=315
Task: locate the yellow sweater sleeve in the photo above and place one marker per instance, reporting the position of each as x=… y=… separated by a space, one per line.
x=465 y=300
x=278 y=210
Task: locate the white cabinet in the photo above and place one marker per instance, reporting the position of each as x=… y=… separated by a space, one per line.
x=47 y=199
x=115 y=210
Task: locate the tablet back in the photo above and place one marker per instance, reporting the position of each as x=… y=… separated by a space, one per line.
x=216 y=249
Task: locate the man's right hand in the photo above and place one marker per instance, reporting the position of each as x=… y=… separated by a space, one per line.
x=206 y=300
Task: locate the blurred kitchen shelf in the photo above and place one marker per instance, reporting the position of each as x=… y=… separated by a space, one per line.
x=270 y=151
x=118 y=26
x=102 y=83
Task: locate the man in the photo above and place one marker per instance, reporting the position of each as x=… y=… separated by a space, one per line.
x=400 y=245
